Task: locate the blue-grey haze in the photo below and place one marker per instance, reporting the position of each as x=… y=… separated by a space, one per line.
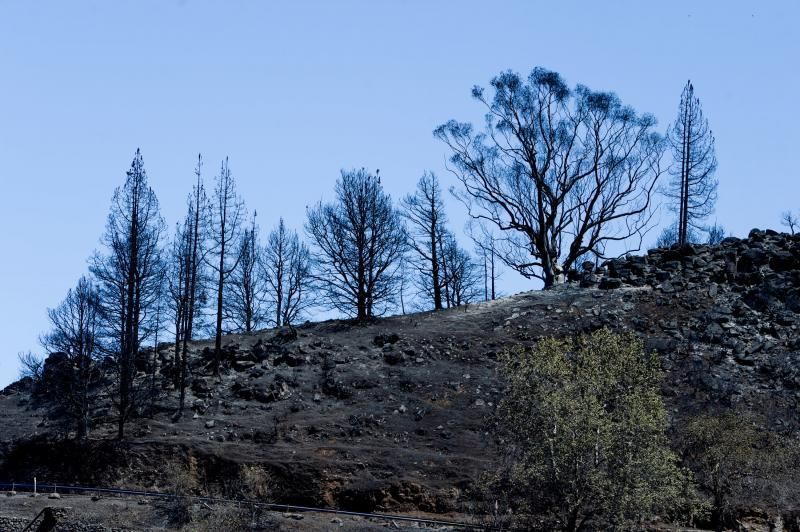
x=295 y=91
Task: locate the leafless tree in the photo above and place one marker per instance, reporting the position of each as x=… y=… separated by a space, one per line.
x=30 y=366
x=716 y=234
x=76 y=330
x=790 y=220
x=359 y=241
x=227 y=219
x=461 y=277
x=560 y=172
x=485 y=242
x=188 y=277
x=130 y=277
x=179 y=261
x=286 y=265
x=693 y=189
x=424 y=210
x=669 y=236
x=245 y=308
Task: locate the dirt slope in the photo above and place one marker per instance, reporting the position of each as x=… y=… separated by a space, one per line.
x=397 y=415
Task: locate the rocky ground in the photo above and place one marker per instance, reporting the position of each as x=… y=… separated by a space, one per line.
x=397 y=415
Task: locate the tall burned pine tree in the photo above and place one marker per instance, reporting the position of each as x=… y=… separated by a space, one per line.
x=194 y=248
x=693 y=189
x=227 y=217
x=130 y=276
x=424 y=210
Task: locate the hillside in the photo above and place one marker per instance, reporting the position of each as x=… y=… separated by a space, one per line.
x=396 y=415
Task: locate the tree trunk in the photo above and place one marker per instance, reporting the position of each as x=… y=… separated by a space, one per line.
x=437 y=287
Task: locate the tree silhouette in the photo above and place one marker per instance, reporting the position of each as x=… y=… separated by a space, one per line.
x=227 y=218
x=424 y=210
x=460 y=273
x=560 y=172
x=76 y=329
x=287 y=272
x=693 y=189
x=130 y=281
x=359 y=241
x=244 y=298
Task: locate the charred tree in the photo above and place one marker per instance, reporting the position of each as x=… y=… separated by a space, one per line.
x=196 y=229
x=359 y=240
x=424 y=210
x=559 y=172
x=227 y=217
x=461 y=278
x=692 y=189
x=130 y=281
x=286 y=263
x=244 y=300
x=76 y=329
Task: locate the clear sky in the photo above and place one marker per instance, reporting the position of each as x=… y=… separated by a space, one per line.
x=294 y=91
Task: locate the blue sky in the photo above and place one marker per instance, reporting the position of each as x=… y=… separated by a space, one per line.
x=294 y=91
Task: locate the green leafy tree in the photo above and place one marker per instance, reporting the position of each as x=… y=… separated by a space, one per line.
x=586 y=433
x=739 y=463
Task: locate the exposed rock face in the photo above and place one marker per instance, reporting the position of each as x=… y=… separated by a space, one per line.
x=764 y=267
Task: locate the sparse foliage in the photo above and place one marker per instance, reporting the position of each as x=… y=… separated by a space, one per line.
x=188 y=278
x=286 y=263
x=130 y=277
x=586 y=431
x=245 y=307
x=559 y=172
x=693 y=189
x=460 y=277
x=30 y=366
x=790 y=221
x=76 y=329
x=486 y=248
x=359 y=240
x=227 y=219
x=424 y=210
x=737 y=462
x=714 y=234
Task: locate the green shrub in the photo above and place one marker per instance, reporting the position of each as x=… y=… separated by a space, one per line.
x=585 y=427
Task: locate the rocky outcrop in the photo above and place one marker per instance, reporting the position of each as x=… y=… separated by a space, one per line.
x=764 y=266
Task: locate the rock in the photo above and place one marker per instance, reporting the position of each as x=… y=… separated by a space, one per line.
x=258 y=350
x=242 y=365
x=610 y=283
x=200 y=387
x=210 y=424
x=284 y=335
x=393 y=358
x=384 y=339
x=289 y=360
